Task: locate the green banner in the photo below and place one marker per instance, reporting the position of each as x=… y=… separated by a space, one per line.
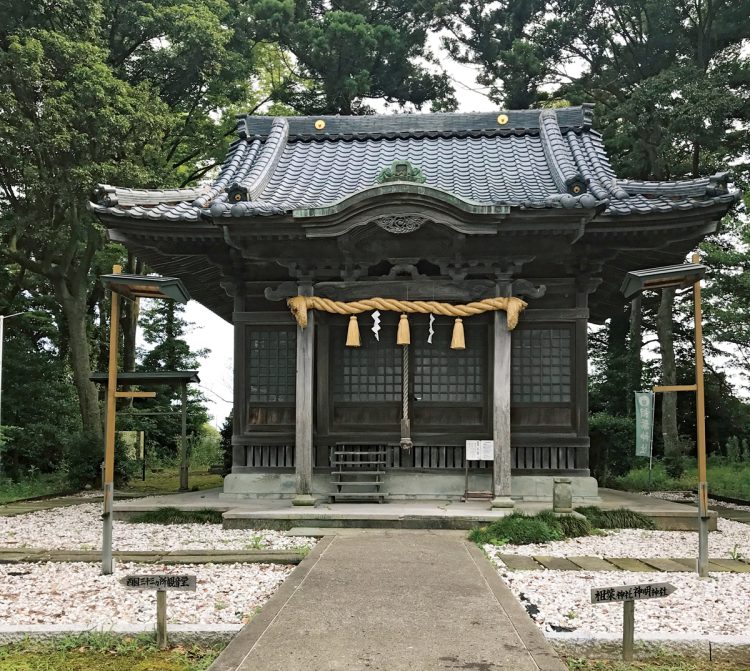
x=644 y=423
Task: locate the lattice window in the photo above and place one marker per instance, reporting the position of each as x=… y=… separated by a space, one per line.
x=446 y=375
x=271 y=365
x=541 y=365
x=371 y=372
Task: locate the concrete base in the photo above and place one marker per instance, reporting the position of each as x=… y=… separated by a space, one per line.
x=406 y=485
x=502 y=502
x=303 y=500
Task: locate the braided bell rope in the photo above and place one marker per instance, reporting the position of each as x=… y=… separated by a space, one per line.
x=299 y=306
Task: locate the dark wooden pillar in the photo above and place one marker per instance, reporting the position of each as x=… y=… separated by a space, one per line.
x=304 y=402
x=501 y=408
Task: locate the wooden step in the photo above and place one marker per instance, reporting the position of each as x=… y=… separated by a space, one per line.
x=357 y=472
x=357 y=483
x=359 y=495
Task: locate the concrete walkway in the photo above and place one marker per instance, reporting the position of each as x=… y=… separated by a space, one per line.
x=391 y=601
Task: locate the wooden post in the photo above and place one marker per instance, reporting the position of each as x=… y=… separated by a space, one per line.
x=628 y=629
x=303 y=442
x=501 y=409
x=109 y=442
x=161 y=619
x=700 y=420
x=184 y=464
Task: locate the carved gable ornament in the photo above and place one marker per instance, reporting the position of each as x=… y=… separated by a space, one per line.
x=401 y=171
x=400 y=224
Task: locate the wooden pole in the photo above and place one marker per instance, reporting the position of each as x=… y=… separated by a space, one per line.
x=700 y=420
x=628 y=629
x=161 y=619
x=109 y=443
x=501 y=483
x=303 y=443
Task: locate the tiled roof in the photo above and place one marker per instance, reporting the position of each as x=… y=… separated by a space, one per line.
x=525 y=159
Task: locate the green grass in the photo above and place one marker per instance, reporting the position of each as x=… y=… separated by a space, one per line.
x=518 y=529
x=657 y=664
x=103 y=652
x=544 y=527
x=619 y=518
x=170 y=515
x=47 y=484
x=724 y=479
x=167 y=481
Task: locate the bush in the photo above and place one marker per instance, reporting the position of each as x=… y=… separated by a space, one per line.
x=176 y=516
x=612 y=450
x=575 y=527
x=620 y=518
x=84 y=455
x=518 y=529
x=226 y=444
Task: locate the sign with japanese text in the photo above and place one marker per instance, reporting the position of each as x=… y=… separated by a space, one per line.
x=654 y=590
x=480 y=450
x=160 y=582
x=644 y=423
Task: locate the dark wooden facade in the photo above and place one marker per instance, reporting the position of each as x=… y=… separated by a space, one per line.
x=523 y=203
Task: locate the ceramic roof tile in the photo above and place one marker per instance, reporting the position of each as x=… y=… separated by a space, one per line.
x=536 y=159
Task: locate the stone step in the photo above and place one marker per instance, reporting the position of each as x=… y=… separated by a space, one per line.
x=594 y=564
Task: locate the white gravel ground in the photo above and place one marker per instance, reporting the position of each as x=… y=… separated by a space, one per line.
x=77 y=593
x=80 y=528
x=691 y=497
x=731 y=539
x=560 y=601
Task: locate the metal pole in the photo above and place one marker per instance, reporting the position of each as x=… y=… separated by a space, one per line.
x=109 y=442
x=700 y=417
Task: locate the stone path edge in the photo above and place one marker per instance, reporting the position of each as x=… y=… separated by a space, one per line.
x=234 y=654
x=735 y=649
x=534 y=640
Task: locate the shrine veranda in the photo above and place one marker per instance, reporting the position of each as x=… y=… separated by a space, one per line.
x=422 y=212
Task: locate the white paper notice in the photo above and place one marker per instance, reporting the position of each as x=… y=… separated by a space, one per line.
x=487 y=450
x=473 y=450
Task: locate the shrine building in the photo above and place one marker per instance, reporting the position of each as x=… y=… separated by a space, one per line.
x=442 y=271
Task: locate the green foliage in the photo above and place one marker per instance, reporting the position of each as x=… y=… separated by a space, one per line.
x=226 y=443
x=732 y=480
x=84 y=455
x=167 y=481
x=620 y=518
x=205 y=449
x=352 y=51
x=33 y=486
x=104 y=652
x=575 y=527
x=164 y=329
x=612 y=450
x=656 y=663
x=518 y=529
x=171 y=515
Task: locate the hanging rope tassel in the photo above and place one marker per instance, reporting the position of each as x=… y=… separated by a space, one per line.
x=352 y=335
x=457 y=341
x=402 y=336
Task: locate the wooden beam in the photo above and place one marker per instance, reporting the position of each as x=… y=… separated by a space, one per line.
x=135 y=394
x=675 y=387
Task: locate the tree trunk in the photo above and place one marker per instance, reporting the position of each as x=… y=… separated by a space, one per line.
x=635 y=343
x=74 y=310
x=664 y=328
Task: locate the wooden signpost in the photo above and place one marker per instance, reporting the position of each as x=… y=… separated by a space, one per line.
x=161 y=583
x=628 y=594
